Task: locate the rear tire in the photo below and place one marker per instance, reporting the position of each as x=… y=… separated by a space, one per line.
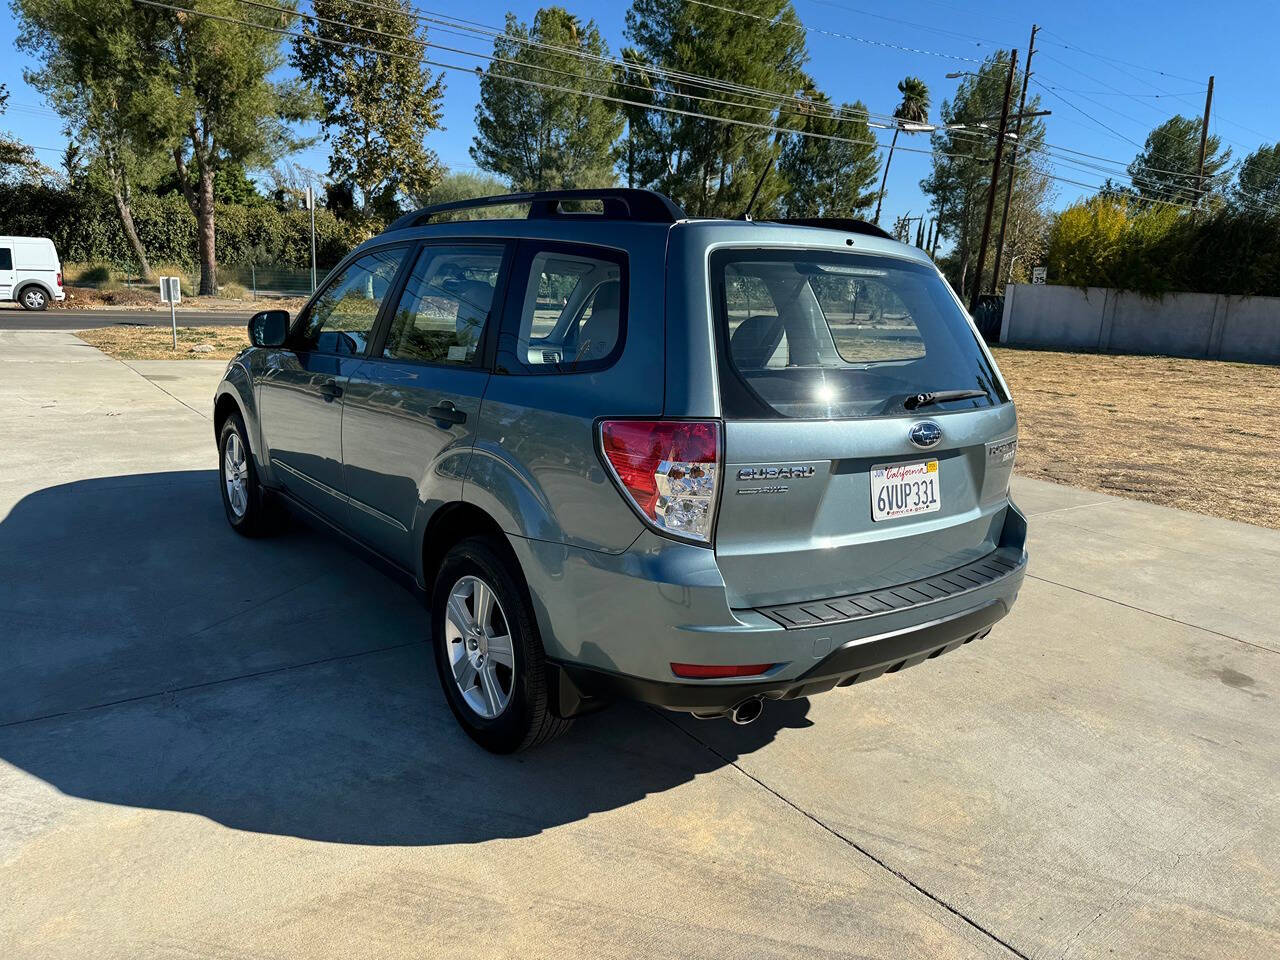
x=248 y=510
x=488 y=653
x=33 y=298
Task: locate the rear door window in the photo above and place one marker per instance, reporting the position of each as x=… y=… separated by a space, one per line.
x=446 y=305
x=568 y=312
x=6 y=258
x=820 y=335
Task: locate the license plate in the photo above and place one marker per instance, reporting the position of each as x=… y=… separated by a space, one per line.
x=904 y=490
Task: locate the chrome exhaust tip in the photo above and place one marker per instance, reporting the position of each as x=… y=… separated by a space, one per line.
x=747 y=710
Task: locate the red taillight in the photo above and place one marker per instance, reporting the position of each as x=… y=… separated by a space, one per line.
x=705 y=671
x=59 y=278
x=669 y=468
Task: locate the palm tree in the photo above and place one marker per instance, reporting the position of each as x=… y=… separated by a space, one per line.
x=913 y=110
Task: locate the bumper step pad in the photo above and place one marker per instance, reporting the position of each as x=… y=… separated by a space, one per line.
x=857 y=606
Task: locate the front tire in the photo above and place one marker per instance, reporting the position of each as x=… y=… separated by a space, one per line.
x=247 y=510
x=487 y=650
x=33 y=298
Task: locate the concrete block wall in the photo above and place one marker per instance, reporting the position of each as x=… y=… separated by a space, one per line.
x=1212 y=326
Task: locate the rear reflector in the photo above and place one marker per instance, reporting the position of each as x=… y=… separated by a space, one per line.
x=669 y=469
x=705 y=671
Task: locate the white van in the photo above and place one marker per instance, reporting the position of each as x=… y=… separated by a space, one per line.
x=30 y=271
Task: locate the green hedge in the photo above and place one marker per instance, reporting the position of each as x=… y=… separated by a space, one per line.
x=85 y=227
x=1107 y=242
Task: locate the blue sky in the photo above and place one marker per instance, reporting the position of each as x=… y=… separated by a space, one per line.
x=1187 y=40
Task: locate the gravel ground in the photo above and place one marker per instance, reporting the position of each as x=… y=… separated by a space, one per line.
x=1198 y=435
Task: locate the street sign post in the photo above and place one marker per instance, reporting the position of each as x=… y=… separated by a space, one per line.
x=311 y=205
x=171 y=293
x=1039 y=274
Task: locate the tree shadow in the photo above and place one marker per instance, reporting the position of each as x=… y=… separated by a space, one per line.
x=154 y=659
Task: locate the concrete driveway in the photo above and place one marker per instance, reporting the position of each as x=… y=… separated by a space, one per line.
x=211 y=747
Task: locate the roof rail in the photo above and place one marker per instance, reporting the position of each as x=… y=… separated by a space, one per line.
x=620 y=203
x=846 y=224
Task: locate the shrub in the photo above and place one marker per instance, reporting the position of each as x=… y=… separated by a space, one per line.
x=1158 y=249
x=85 y=227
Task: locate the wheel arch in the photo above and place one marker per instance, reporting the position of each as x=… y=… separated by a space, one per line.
x=450 y=523
x=33 y=282
x=235 y=395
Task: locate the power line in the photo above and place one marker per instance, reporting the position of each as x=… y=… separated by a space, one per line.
x=1062 y=42
x=911 y=23
x=592 y=95
x=839 y=36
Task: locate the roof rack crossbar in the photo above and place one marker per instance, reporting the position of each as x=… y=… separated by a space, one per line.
x=847 y=224
x=619 y=203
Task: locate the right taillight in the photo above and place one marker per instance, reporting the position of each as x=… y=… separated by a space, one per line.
x=670 y=470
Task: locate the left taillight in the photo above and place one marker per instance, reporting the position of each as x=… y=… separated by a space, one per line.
x=669 y=469
x=59 y=278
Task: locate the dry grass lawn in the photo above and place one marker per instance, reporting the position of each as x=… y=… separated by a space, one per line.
x=156 y=343
x=1194 y=434
x=1199 y=435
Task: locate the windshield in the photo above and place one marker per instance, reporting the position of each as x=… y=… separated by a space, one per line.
x=816 y=334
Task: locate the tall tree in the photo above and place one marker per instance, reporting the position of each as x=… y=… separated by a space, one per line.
x=1258 y=181
x=1165 y=168
x=462 y=185
x=72 y=162
x=911 y=113
x=960 y=177
x=707 y=166
x=829 y=177
x=93 y=72
x=380 y=100
x=540 y=138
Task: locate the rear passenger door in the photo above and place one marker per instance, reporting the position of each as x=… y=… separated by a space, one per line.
x=413 y=406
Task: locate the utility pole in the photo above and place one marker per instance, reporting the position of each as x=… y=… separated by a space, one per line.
x=1013 y=158
x=995 y=180
x=1204 y=140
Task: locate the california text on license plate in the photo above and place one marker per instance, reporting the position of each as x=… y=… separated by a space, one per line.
x=905 y=489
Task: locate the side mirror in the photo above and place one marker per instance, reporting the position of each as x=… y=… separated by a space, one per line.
x=269 y=328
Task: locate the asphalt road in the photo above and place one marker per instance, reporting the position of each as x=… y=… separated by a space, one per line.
x=219 y=747
x=15 y=318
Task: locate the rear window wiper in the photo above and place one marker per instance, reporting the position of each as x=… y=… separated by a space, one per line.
x=917 y=400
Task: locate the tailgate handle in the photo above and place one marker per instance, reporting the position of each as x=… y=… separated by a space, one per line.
x=446 y=412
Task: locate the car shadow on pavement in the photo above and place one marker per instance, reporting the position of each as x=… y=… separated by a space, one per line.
x=154 y=659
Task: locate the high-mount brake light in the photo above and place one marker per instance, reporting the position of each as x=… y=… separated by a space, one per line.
x=670 y=469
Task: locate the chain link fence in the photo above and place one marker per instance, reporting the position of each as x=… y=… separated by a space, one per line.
x=249 y=281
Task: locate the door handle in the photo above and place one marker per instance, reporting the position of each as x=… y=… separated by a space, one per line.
x=446 y=412
x=330 y=390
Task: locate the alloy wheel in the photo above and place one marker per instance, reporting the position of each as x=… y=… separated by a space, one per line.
x=478 y=644
x=235 y=474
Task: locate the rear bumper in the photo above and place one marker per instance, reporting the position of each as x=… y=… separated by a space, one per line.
x=613 y=625
x=866 y=658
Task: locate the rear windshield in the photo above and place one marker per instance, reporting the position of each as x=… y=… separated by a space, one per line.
x=817 y=334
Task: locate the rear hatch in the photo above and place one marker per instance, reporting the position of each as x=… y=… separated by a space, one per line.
x=839 y=476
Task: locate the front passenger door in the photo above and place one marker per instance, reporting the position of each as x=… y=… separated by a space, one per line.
x=301 y=391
